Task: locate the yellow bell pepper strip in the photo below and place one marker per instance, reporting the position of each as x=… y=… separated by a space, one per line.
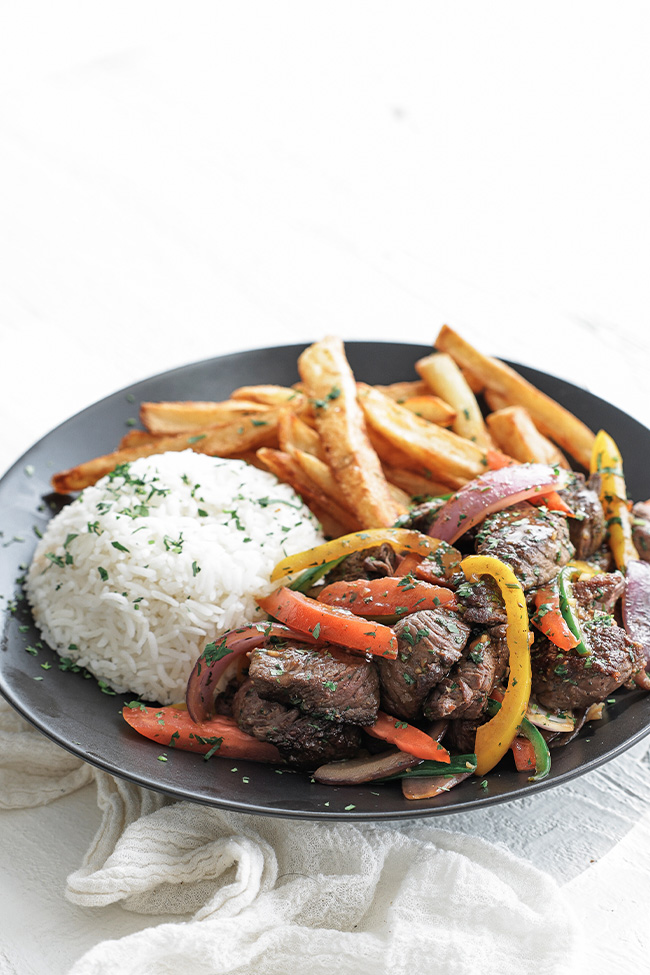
x=493 y=738
x=401 y=539
x=606 y=461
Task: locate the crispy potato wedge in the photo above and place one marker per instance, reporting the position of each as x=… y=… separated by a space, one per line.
x=515 y=434
x=414 y=485
x=135 y=437
x=402 y=391
x=444 y=378
x=235 y=438
x=293 y=432
x=451 y=459
x=431 y=408
x=332 y=390
x=320 y=473
x=273 y=396
x=551 y=419
x=187 y=416
x=287 y=469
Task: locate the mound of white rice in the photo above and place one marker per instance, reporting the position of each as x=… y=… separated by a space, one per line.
x=162 y=556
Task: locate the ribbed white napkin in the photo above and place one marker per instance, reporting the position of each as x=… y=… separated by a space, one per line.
x=258 y=895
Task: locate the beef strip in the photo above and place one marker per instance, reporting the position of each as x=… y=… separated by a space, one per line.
x=461 y=735
x=564 y=680
x=327 y=682
x=428 y=644
x=534 y=542
x=465 y=690
x=304 y=741
x=587 y=529
x=599 y=593
x=421 y=515
x=602 y=559
x=371 y=563
x=641 y=529
x=482 y=602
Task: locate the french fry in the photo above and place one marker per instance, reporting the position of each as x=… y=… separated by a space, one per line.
x=293 y=432
x=170 y=418
x=404 y=390
x=395 y=460
x=317 y=471
x=136 y=437
x=327 y=377
x=450 y=459
x=288 y=470
x=417 y=396
x=431 y=408
x=414 y=485
x=474 y=382
x=229 y=440
x=496 y=401
x=553 y=420
x=445 y=379
x=273 y=396
x=515 y=434
x=320 y=474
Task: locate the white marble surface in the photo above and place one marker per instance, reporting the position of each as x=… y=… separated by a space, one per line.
x=179 y=183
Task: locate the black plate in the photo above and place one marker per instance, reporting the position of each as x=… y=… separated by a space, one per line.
x=74 y=711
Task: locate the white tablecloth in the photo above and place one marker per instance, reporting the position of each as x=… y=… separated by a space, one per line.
x=177 y=183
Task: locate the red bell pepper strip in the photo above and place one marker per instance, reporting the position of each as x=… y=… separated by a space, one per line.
x=173 y=727
x=549 y=620
x=389 y=596
x=524 y=754
x=409 y=564
x=329 y=624
x=407 y=738
x=529 y=747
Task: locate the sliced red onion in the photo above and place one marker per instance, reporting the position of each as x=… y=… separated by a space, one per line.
x=203 y=684
x=636 y=609
x=493 y=491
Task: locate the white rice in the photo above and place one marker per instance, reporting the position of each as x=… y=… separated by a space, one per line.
x=135 y=576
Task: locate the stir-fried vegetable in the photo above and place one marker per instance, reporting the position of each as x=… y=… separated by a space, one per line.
x=173 y=727
x=528 y=747
x=636 y=612
x=568 y=574
x=206 y=677
x=541 y=754
x=401 y=539
x=493 y=738
x=407 y=738
x=549 y=620
x=491 y=492
x=606 y=461
x=390 y=596
x=311 y=576
x=329 y=624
